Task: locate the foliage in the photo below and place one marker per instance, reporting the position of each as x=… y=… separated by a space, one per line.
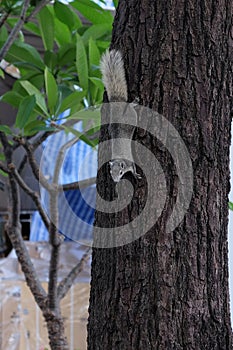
x=67 y=76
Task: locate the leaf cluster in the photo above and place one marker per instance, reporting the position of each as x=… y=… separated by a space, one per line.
x=66 y=75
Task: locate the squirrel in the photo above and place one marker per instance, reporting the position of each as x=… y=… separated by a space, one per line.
x=113 y=76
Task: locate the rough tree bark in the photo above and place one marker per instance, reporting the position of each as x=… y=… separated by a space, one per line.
x=170 y=290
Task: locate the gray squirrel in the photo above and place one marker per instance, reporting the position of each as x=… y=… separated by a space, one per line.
x=113 y=76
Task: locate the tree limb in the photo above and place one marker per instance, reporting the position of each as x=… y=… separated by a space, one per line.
x=4 y=168
x=14 y=232
x=35 y=169
x=77 y=185
x=34 y=195
x=55 y=241
x=37 y=9
x=15 y=30
x=67 y=282
x=4 y=18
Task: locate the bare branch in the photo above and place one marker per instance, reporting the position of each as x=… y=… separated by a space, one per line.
x=35 y=169
x=34 y=195
x=15 y=30
x=42 y=137
x=60 y=159
x=4 y=18
x=37 y=9
x=67 y=282
x=14 y=232
x=77 y=185
x=4 y=168
x=55 y=241
x=34 y=145
x=22 y=163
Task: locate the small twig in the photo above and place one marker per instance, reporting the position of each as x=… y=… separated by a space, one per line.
x=41 y=139
x=37 y=9
x=22 y=163
x=4 y=168
x=4 y=18
x=34 y=145
x=15 y=30
x=35 y=169
x=67 y=282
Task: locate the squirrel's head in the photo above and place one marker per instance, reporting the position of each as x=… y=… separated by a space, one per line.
x=119 y=167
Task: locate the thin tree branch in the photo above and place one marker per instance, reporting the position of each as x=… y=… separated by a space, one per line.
x=15 y=30
x=35 y=169
x=4 y=18
x=60 y=159
x=34 y=195
x=4 y=168
x=55 y=241
x=22 y=163
x=37 y=9
x=77 y=185
x=67 y=282
x=14 y=231
x=34 y=145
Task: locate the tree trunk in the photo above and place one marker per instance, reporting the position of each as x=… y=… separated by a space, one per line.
x=169 y=290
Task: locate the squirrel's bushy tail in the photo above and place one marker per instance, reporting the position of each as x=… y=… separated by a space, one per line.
x=112 y=68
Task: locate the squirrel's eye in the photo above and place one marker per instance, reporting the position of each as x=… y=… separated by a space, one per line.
x=121 y=172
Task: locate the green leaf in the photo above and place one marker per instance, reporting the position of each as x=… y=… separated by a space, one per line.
x=97 y=31
x=35 y=78
x=72 y=100
x=33 y=28
x=79 y=135
x=36 y=126
x=51 y=90
x=115 y=3
x=21 y=52
x=81 y=63
x=24 y=113
x=94 y=57
x=12 y=97
x=97 y=82
x=3 y=173
x=2 y=73
x=87 y=114
x=50 y=59
x=5 y=129
x=230 y=205
x=32 y=90
x=67 y=16
x=96 y=88
x=3 y=33
x=2 y=157
x=103 y=44
x=66 y=54
x=62 y=33
x=93 y=12
x=46 y=24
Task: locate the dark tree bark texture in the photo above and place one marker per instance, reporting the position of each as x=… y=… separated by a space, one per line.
x=170 y=290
